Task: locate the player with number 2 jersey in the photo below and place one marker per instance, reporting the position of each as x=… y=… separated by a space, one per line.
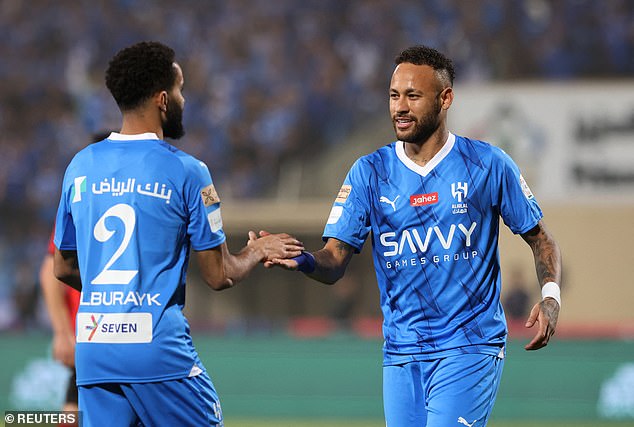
x=128 y=223
x=132 y=207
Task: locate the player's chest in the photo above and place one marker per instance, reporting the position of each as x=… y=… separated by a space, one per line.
x=430 y=197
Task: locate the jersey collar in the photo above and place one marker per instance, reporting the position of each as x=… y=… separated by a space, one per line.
x=424 y=170
x=115 y=136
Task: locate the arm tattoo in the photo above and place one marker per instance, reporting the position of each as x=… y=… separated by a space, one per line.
x=331 y=261
x=546 y=253
x=343 y=248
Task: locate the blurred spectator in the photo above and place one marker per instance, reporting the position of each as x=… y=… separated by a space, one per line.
x=26 y=298
x=517 y=300
x=345 y=298
x=270 y=83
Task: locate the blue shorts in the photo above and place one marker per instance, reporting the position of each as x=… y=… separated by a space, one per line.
x=450 y=392
x=189 y=401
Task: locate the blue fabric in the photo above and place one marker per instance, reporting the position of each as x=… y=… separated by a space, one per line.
x=435 y=243
x=184 y=402
x=448 y=392
x=132 y=207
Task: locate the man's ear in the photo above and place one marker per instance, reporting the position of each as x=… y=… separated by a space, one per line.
x=446 y=98
x=161 y=100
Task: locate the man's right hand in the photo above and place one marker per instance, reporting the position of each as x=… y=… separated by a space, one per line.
x=280 y=246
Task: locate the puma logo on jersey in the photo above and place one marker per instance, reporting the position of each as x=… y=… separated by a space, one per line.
x=384 y=199
x=463 y=421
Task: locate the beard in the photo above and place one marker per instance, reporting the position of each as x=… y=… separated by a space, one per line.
x=173 y=126
x=424 y=127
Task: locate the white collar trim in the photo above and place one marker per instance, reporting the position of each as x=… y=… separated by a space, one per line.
x=424 y=170
x=115 y=136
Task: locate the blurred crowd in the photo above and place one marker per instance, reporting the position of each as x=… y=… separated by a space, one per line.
x=269 y=84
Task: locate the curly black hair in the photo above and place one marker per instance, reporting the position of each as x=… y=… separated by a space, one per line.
x=423 y=55
x=139 y=71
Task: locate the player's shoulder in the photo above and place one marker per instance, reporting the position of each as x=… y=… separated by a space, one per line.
x=479 y=151
x=171 y=159
x=374 y=163
x=465 y=143
x=91 y=148
x=189 y=163
x=388 y=150
x=91 y=151
x=379 y=156
x=179 y=155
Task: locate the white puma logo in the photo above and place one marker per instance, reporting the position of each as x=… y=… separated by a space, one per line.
x=463 y=421
x=389 y=202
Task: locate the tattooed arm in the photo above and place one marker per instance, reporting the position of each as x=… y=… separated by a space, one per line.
x=330 y=261
x=548 y=266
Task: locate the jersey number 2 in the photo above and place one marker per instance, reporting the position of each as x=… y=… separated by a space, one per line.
x=108 y=276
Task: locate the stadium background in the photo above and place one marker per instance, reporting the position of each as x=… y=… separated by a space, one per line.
x=281 y=97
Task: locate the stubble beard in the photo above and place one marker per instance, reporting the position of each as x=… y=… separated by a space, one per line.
x=422 y=131
x=424 y=126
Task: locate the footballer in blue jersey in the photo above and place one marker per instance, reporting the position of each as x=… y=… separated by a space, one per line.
x=431 y=202
x=132 y=207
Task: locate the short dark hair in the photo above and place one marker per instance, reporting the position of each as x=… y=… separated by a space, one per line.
x=423 y=55
x=139 y=71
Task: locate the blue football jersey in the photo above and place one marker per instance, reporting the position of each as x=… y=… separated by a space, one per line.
x=435 y=243
x=132 y=206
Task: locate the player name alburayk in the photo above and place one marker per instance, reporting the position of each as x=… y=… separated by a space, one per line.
x=120 y=298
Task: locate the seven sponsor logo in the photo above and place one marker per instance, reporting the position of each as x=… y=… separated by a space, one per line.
x=93 y=328
x=423 y=199
x=114 y=327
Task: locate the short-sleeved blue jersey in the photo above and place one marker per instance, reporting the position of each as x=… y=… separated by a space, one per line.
x=132 y=206
x=435 y=243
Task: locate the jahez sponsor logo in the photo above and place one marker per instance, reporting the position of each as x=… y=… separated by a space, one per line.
x=423 y=199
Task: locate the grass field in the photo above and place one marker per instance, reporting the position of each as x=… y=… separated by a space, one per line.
x=284 y=382
x=380 y=423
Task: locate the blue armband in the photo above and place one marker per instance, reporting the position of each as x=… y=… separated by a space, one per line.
x=305 y=262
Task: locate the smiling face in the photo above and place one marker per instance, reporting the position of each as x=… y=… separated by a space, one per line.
x=418 y=102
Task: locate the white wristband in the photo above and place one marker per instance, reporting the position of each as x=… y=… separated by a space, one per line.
x=551 y=290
